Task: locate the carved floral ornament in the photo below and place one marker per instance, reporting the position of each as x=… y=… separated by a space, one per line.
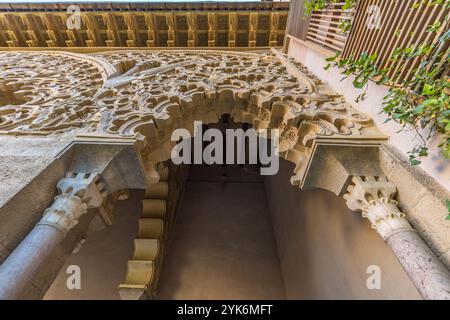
x=147 y=94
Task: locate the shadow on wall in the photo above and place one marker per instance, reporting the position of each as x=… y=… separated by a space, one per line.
x=325 y=249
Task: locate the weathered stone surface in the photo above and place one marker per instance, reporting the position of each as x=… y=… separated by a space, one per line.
x=410 y=190
x=445 y=258
x=22 y=159
x=374 y=197
x=421 y=198
x=164 y=91
x=18 y=269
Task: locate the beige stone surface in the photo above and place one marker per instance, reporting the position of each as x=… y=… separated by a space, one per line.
x=410 y=190
x=421 y=198
x=445 y=258
x=102 y=257
x=165 y=90
x=435 y=165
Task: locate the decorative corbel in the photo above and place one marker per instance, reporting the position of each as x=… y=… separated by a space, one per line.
x=78 y=192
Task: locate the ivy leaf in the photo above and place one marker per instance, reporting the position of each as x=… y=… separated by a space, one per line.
x=358 y=84
x=447 y=203
x=447 y=127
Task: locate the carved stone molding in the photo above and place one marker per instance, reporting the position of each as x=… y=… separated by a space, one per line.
x=142 y=24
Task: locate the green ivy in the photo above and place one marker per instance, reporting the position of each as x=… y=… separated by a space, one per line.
x=423 y=101
x=447 y=202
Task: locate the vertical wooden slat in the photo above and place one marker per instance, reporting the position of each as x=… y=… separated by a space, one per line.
x=416 y=25
x=386 y=16
x=360 y=44
x=323 y=26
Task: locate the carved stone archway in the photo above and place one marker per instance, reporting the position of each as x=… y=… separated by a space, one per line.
x=120 y=109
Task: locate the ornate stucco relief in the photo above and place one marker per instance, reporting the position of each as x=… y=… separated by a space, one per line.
x=145 y=95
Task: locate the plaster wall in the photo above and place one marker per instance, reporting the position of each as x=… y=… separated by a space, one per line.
x=29 y=168
x=421 y=190
x=325 y=249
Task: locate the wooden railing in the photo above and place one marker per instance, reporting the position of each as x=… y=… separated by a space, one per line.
x=400 y=26
x=323 y=27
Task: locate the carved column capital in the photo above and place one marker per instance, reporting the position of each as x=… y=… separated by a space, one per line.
x=374 y=197
x=78 y=192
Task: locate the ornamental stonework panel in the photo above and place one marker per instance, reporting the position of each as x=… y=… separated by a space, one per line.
x=145 y=95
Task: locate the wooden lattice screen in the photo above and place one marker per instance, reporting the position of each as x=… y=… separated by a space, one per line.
x=400 y=26
x=324 y=26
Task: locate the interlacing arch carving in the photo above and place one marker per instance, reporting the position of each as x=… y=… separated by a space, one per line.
x=148 y=94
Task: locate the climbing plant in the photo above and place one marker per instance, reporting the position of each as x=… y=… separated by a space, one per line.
x=314 y=5
x=420 y=102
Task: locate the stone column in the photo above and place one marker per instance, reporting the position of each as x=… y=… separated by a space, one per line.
x=374 y=197
x=77 y=193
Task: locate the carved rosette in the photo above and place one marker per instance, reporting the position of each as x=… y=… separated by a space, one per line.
x=78 y=193
x=374 y=197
